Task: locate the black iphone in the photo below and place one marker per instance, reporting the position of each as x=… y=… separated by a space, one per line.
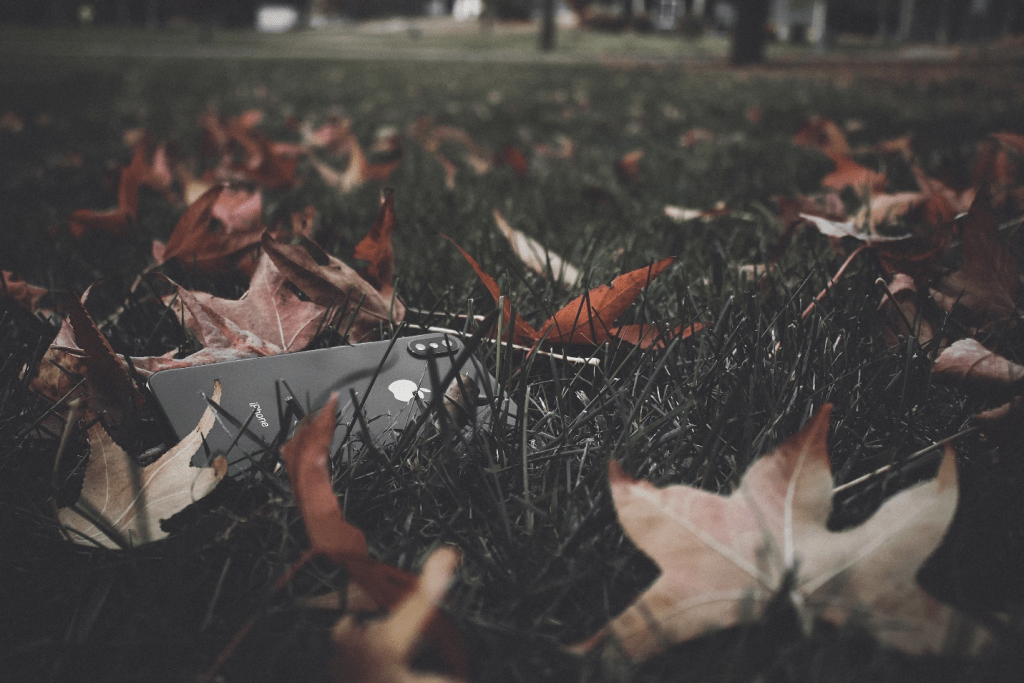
x=383 y=387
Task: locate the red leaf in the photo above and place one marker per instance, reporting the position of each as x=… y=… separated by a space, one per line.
x=588 y=319
x=824 y=134
x=193 y=240
x=25 y=294
x=376 y=247
x=648 y=336
x=522 y=332
x=849 y=173
x=628 y=167
x=516 y=160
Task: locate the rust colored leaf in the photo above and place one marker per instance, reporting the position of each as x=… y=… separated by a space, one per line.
x=824 y=134
x=969 y=362
x=628 y=167
x=848 y=173
x=587 y=319
x=332 y=536
x=25 y=294
x=306 y=456
x=988 y=282
x=376 y=247
x=723 y=558
x=361 y=311
x=648 y=336
x=522 y=332
x=213 y=246
x=512 y=157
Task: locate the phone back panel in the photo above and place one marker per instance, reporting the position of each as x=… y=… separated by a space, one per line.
x=260 y=394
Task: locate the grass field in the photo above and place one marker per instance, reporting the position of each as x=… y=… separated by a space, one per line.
x=545 y=560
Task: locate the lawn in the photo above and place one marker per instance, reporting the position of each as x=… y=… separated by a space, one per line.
x=545 y=561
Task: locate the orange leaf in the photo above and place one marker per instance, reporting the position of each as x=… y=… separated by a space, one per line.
x=194 y=242
x=648 y=336
x=824 y=134
x=25 y=294
x=522 y=333
x=306 y=457
x=516 y=160
x=588 y=319
x=628 y=167
x=849 y=173
x=376 y=247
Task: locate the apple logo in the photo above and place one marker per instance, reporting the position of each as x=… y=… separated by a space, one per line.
x=403 y=390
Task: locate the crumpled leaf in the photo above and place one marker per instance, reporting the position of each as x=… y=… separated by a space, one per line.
x=968 y=361
x=327 y=281
x=988 y=282
x=839 y=230
x=269 y=164
x=849 y=173
x=538 y=258
x=306 y=456
x=380 y=651
x=724 y=557
x=131 y=500
x=197 y=241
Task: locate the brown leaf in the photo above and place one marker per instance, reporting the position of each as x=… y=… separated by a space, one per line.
x=628 y=167
x=848 y=173
x=648 y=336
x=988 y=282
x=25 y=294
x=724 y=558
x=306 y=457
x=538 y=258
x=197 y=240
x=522 y=332
x=270 y=310
x=381 y=651
x=824 y=134
x=332 y=536
x=361 y=310
x=839 y=230
x=132 y=500
x=376 y=247
x=905 y=312
x=587 y=319
x=968 y=361
x=512 y=157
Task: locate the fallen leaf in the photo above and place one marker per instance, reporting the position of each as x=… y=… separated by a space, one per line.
x=131 y=500
x=270 y=310
x=905 y=312
x=628 y=167
x=381 y=651
x=587 y=319
x=823 y=134
x=988 y=282
x=968 y=361
x=538 y=258
x=25 y=294
x=198 y=241
x=724 y=558
x=360 y=311
x=513 y=158
x=306 y=457
x=839 y=230
x=376 y=247
x=849 y=173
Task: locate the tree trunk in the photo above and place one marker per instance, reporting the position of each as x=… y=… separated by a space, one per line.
x=906 y=21
x=547 y=29
x=748 y=37
x=819 y=26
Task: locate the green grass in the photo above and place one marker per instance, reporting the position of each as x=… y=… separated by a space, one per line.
x=545 y=562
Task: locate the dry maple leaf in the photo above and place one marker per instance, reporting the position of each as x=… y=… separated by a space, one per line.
x=537 y=257
x=380 y=651
x=628 y=167
x=306 y=456
x=360 y=311
x=197 y=241
x=823 y=134
x=988 y=282
x=131 y=500
x=724 y=557
x=971 y=363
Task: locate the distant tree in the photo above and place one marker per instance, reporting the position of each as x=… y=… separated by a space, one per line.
x=750 y=32
x=906 y=20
